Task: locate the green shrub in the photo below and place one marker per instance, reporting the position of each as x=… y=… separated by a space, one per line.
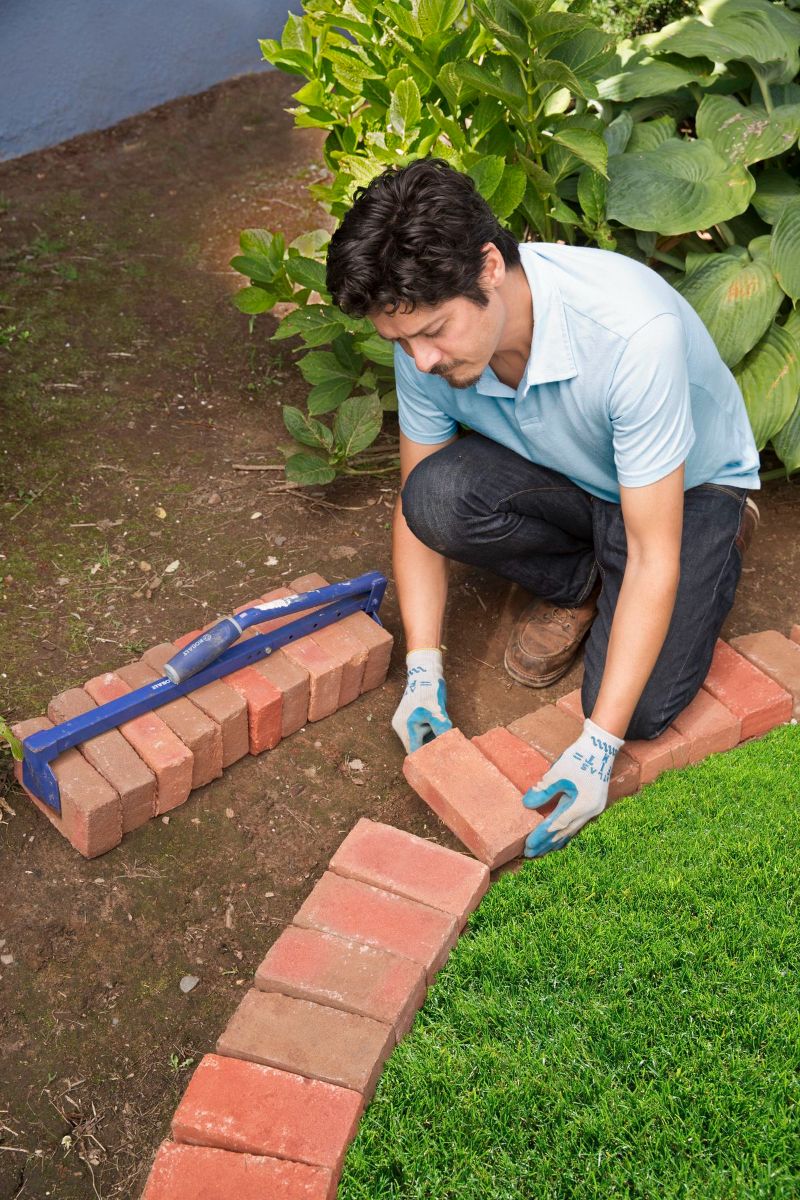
x=567 y=138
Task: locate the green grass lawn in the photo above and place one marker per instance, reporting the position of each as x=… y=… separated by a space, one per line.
x=620 y=1018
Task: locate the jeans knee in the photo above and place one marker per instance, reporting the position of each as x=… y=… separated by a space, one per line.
x=416 y=500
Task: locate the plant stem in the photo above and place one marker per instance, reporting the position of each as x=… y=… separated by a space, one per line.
x=777 y=473
x=763 y=87
x=671 y=260
x=725 y=233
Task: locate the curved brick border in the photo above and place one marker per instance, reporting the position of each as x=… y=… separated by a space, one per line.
x=273 y=1111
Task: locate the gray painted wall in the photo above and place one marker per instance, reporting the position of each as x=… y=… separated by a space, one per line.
x=71 y=66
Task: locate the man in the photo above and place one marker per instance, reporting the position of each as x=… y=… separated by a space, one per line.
x=606 y=470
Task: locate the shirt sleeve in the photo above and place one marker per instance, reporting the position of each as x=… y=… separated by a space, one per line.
x=419 y=416
x=649 y=403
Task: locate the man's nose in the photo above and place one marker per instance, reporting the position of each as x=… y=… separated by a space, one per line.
x=427 y=357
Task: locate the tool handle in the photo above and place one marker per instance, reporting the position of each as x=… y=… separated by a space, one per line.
x=203 y=651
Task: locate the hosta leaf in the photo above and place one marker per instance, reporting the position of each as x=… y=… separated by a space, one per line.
x=357 y=424
x=774 y=190
x=746 y=33
x=618 y=133
x=317 y=324
x=305 y=429
x=737 y=300
x=787 y=441
x=648 y=135
x=747 y=135
x=405 y=108
x=769 y=377
x=253 y=300
x=507 y=197
x=646 y=76
x=785 y=249
x=486 y=174
x=306 y=469
x=678 y=188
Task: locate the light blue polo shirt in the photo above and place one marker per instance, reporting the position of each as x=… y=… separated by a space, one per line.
x=622 y=385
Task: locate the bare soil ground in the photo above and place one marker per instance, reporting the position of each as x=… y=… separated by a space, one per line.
x=132 y=388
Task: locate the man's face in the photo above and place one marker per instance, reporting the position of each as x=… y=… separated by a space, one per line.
x=455 y=339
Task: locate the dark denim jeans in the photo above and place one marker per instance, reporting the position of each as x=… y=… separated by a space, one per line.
x=477 y=502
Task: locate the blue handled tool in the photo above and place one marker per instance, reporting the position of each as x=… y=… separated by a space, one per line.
x=210 y=656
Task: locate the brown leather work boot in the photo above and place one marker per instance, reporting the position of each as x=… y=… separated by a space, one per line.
x=545 y=640
x=748 y=524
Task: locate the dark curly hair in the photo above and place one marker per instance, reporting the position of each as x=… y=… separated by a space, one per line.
x=413 y=236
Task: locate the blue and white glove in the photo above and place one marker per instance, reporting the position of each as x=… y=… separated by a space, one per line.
x=421 y=714
x=582 y=774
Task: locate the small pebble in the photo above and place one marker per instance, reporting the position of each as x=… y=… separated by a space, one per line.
x=6 y=959
x=188 y=982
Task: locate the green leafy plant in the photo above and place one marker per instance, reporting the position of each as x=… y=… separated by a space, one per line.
x=499 y=90
x=655 y=148
x=704 y=172
x=13 y=743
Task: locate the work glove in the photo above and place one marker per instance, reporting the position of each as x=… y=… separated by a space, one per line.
x=581 y=774
x=421 y=714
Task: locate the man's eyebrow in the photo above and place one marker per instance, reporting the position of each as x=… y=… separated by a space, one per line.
x=424 y=329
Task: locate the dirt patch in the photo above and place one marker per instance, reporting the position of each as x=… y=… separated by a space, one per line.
x=132 y=389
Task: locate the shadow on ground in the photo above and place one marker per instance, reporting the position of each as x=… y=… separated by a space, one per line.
x=133 y=388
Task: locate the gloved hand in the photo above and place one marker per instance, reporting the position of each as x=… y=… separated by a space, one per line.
x=421 y=714
x=582 y=773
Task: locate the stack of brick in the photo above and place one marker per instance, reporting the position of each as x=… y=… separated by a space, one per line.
x=146 y=767
x=272 y=1112
x=475 y=786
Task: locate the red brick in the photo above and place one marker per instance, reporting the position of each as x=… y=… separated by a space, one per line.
x=165 y=754
x=709 y=726
x=250 y=1108
x=669 y=751
x=777 y=657
x=518 y=761
x=308 y=1039
x=200 y=1173
x=113 y=758
x=264 y=706
x=376 y=640
x=396 y=861
x=312 y=965
x=325 y=676
x=281 y=593
x=223 y=704
x=91 y=813
x=292 y=681
x=344 y=648
x=383 y=919
x=471 y=796
x=572 y=704
x=552 y=729
x=794 y=634
x=752 y=696
x=198 y=732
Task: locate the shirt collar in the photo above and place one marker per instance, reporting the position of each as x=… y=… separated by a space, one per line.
x=551 y=357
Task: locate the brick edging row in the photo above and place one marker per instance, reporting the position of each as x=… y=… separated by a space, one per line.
x=146 y=767
x=274 y=1110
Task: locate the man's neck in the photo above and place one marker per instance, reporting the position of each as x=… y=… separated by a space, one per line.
x=513 y=351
